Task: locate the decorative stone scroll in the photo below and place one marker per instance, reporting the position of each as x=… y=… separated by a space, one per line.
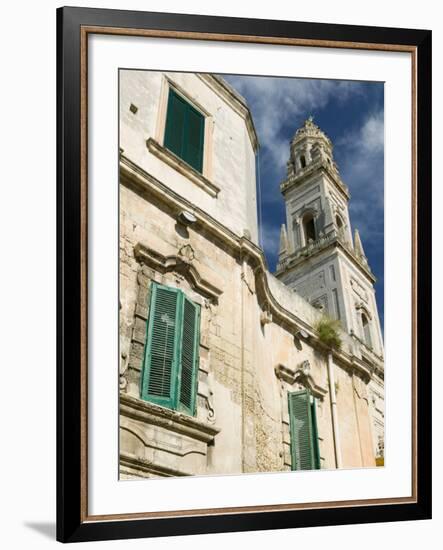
x=302 y=373
x=180 y=263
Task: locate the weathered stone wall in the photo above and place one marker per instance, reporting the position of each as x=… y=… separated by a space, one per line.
x=239 y=394
x=377 y=407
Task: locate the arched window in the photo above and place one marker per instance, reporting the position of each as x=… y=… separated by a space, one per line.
x=303 y=161
x=309 y=228
x=339 y=222
x=366 y=330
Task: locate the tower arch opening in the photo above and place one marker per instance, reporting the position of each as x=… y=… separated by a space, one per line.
x=366 y=330
x=309 y=229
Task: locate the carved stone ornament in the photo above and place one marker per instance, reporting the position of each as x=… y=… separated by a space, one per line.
x=182 y=264
x=265 y=317
x=205 y=391
x=123 y=382
x=186 y=253
x=302 y=374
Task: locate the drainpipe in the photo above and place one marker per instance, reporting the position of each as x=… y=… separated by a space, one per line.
x=336 y=433
x=242 y=372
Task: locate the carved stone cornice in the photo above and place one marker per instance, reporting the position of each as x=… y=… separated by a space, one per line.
x=332 y=240
x=149 y=413
x=180 y=264
x=364 y=369
x=313 y=169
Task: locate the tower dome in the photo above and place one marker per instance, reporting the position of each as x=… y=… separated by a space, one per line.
x=309 y=145
x=310 y=130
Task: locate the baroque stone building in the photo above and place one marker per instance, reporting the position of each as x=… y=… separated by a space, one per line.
x=223 y=368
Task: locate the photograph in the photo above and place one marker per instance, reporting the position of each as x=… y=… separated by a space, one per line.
x=244 y=242
x=251 y=274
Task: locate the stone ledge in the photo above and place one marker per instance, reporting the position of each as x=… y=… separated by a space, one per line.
x=166 y=418
x=183 y=167
x=138 y=464
x=301 y=177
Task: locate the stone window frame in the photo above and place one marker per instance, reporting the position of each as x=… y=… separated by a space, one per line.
x=309 y=225
x=366 y=328
x=339 y=222
x=175 y=401
x=298 y=224
x=152 y=267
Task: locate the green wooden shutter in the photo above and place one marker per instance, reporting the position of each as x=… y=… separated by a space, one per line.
x=184 y=132
x=302 y=437
x=194 y=138
x=175 y=124
x=189 y=356
x=315 y=433
x=159 y=380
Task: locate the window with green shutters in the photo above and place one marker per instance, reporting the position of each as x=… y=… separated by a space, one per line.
x=170 y=365
x=305 y=454
x=184 y=132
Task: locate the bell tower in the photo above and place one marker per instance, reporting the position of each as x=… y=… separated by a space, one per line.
x=319 y=258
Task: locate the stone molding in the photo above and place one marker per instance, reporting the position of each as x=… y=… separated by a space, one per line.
x=175 y=421
x=180 y=264
x=320 y=245
x=312 y=169
x=361 y=306
x=238 y=103
x=364 y=369
x=303 y=374
x=137 y=464
x=172 y=160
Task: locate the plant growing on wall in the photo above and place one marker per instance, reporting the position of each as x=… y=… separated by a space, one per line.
x=329 y=332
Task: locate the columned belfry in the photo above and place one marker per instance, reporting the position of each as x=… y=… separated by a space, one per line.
x=318 y=257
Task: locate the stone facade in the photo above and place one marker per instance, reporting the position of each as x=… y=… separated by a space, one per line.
x=257 y=336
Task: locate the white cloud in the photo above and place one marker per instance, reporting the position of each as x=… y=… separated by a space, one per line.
x=372 y=134
x=368 y=139
x=362 y=168
x=270 y=237
x=294 y=98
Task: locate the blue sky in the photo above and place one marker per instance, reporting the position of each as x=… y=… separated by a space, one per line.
x=351 y=113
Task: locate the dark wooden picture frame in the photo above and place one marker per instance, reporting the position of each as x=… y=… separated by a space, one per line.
x=73 y=26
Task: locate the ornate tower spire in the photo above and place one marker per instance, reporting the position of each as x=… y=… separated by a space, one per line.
x=316 y=256
x=358 y=247
x=284 y=249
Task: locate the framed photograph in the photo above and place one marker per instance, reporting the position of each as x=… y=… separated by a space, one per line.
x=244 y=271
